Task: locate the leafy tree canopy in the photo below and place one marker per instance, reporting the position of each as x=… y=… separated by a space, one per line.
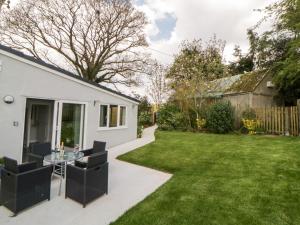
x=279 y=49
x=100 y=40
x=198 y=60
x=242 y=64
x=189 y=76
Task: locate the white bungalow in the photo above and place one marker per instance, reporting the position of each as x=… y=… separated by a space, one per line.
x=42 y=103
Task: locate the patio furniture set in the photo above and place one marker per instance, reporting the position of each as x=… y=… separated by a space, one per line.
x=85 y=174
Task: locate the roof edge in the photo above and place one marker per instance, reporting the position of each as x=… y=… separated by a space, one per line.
x=63 y=71
x=266 y=73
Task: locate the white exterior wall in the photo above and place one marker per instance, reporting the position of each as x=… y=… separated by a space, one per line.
x=24 y=80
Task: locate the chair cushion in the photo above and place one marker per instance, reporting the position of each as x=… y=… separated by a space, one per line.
x=41 y=149
x=99 y=146
x=97 y=159
x=11 y=165
x=80 y=164
x=27 y=167
x=32 y=144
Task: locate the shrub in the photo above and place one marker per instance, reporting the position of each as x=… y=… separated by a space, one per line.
x=249 y=114
x=201 y=123
x=169 y=117
x=202 y=113
x=140 y=131
x=220 y=118
x=1 y=161
x=145 y=119
x=252 y=126
x=191 y=118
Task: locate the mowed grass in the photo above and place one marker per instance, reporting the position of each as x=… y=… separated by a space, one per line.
x=220 y=179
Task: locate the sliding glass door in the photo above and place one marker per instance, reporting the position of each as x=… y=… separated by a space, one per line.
x=70 y=125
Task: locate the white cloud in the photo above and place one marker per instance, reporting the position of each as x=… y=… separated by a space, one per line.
x=229 y=20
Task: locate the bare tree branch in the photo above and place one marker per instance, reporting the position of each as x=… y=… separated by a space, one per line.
x=158 y=88
x=100 y=39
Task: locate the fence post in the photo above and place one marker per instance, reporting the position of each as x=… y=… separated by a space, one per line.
x=287 y=121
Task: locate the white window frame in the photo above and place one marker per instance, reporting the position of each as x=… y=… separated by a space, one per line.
x=56 y=135
x=107 y=116
x=109 y=111
x=118 y=127
x=119 y=115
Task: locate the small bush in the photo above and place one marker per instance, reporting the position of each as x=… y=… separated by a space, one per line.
x=145 y=119
x=252 y=126
x=201 y=123
x=249 y=114
x=140 y=131
x=1 y=161
x=169 y=117
x=220 y=118
x=203 y=111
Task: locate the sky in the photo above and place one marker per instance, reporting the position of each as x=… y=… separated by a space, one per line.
x=172 y=21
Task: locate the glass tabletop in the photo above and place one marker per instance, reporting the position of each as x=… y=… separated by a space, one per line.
x=56 y=157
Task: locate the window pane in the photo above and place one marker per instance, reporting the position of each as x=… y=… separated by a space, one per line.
x=113 y=116
x=122 y=116
x=71 y=125
x=103 y=116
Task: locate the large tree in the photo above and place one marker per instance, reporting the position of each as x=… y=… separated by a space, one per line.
x=279 y=48
x=243 y=63
x=198 y=59
x=190 y=75
x=99 y=39
x=4 y=2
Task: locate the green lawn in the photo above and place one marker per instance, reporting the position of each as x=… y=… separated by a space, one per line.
x=220 y=179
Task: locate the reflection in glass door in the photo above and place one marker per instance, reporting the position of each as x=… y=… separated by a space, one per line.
x=71 y=125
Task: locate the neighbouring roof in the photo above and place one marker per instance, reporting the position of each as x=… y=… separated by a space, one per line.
x=220 y=86
x=58 y=69
x=243 y=83
x=247 y=82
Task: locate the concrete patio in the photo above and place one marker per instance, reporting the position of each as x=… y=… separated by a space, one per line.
x=128 y=185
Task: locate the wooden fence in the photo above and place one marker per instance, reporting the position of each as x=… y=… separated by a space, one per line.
x=279 y=120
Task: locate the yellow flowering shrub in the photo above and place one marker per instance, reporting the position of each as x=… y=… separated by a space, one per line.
x=251 y=125
x=201 y=123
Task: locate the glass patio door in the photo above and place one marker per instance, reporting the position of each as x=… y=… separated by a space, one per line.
x=70 y=125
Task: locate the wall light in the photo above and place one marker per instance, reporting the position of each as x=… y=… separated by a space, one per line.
x=8 y=99
x=95 y=102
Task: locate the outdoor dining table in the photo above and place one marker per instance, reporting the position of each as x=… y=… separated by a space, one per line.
x=60 y=161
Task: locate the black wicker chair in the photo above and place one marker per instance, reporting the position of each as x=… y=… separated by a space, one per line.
x=86 y=184
x=23 y=186
x=38 y=151
x=98 y=147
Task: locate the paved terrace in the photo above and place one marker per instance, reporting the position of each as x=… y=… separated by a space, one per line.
x=128 y=185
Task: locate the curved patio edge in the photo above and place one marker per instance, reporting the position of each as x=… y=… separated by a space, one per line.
x=129 y=184
x=147 y=138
